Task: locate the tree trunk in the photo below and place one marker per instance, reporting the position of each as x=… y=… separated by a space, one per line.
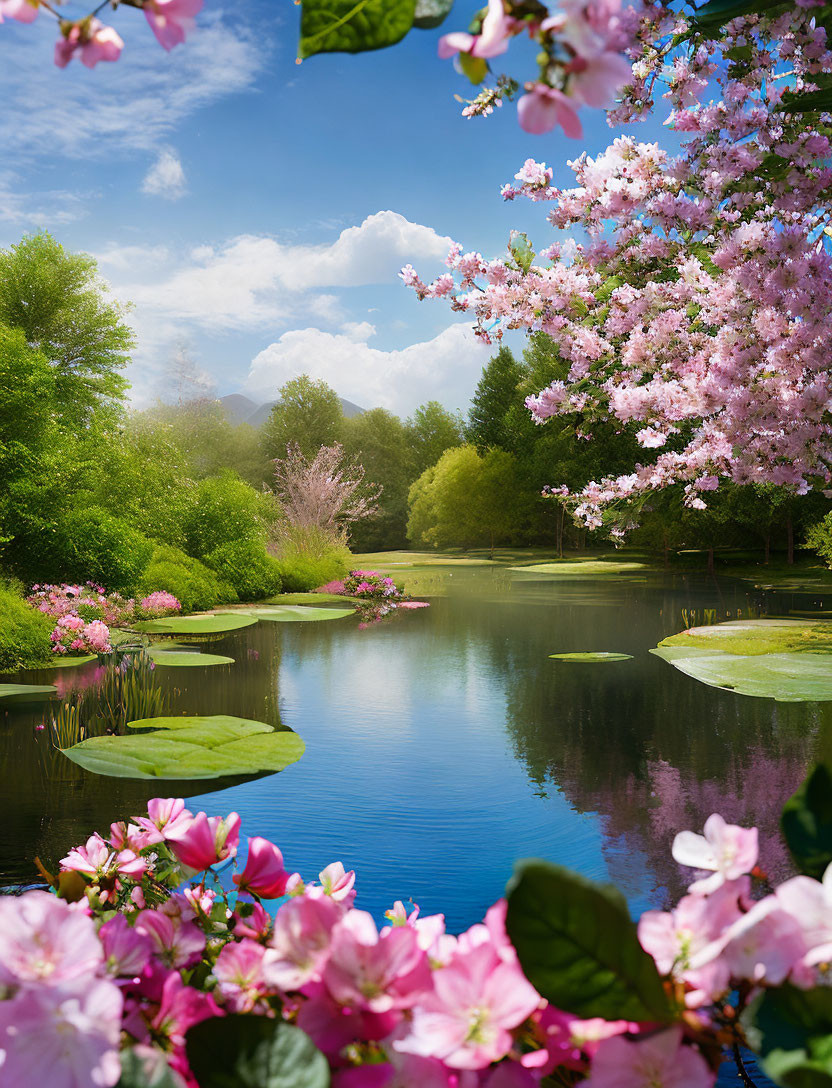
x=560 y=520
x=767 y=548
x=710 y=561
x=790 y=540
x=492 y=543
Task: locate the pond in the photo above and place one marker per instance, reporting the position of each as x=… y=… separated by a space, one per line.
x=442 y=744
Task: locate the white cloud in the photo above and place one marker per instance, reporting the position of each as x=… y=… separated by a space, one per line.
x=122 y=258
x=38 y=209
x=445 y=368
x=166 y=177
x=131 y=105
x=358 y=330
x=247 y=280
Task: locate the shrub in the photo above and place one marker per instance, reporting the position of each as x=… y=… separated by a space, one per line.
x=248 y=567
x=196 y=586
x=24 y=632
x=309 y=557
x=819 y=538
x=93 y=546
x=223 y=510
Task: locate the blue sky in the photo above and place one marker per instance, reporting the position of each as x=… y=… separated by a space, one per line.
x=256 y=211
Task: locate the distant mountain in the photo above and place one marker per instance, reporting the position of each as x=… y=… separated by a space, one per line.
x=240 y=409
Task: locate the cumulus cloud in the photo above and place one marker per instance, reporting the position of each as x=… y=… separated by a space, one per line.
x=445 y=368
x=166 y=177
x=249 y=280
x=38 y=209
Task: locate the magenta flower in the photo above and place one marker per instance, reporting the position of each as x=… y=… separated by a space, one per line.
x=180 y=1008
x=44 y=942
x=164 y=815
x=205 y=840
x=239 y=974
x=98 y=861
x=63 y=1039
x=543 y=108
x=300 y=941
x=264 y=874
x=171 y=20
x=657 y=1061
x=95 y=42
x=490 y=42
x=126 y=949
x=375 y=972
x=177 y=943
x=725 y=849
x=476 y=1002
x=256 y=923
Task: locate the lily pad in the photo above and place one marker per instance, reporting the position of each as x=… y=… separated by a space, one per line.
x=787 y=677
x=214 y=624
x=588 y=568
x=69 y=662
x=589 y=658
x=298 y=613
x=186 y=658
x=189 y=748
x=753 y=637
x=26 y=693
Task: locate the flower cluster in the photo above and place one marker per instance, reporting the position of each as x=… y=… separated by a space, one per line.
x=370 y=585
x=143 y=953
x=159 y=603
x=73 y=634
x=89 y=601
x=92 y=41
x=695 y=314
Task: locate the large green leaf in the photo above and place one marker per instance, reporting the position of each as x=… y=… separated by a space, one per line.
x=26 y=693
x=353 y=26
x=431 y=13
x=793 y=1031
x=147 y=1070
x=788 y=678
x=242 y=1051
x=807 y=822
x=297 y=613
x=68 y=661
x=188 y=748
x=214 y=624
x=579 y=948
x=718 y=12
x=590 y=658
x=185 y=658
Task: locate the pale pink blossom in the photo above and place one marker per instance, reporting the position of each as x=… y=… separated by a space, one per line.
x=95 y=42
x=24 y=11
x=337 y=883
x=490 y=42
x=543 y=108
x=171 y=20
x=126 y=949
x=656 y=1061
x=809 y=902
x=177 y=943
x=239 y=974
x=165 y=815
x=43 y=942
x=725 y=849
x=300 y=941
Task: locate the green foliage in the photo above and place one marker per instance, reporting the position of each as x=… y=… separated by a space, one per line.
x=242 y=1051
x=310 y=558
x=247 y=566
x=222 y=510
x=26 y=693
x=431 y=430
x=353 y=26
x=308 y=414
x=215 y=624
x=58 y=301
x=490 y=417
x=378 y=441
x=794 y=1028
x=819 y=538
x=24 y=632
x=579 y=947
x=786 y=677
x=807 y=822
x=195 y=586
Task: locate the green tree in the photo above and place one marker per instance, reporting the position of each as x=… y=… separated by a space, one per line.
x=431 y=430
x=62 y=307
x=308 y=413
x=378 y=440
x=490 y=418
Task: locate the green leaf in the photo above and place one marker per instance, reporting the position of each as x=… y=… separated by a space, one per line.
x=804 y=102
x=807 y=822
x=794 y=1029
x=254 y=1052
x=26 y=693
x=214 y=624
x=579 y=948
x=186 y=659
x=787 y=678
x=589 y=658
x=353 y=26
x=189 y=748
x=298 y=613
x=148 y=1070
x=719 y=12
x=431 y=13
x=68 y=661
x=475 y=68
x=521 y=250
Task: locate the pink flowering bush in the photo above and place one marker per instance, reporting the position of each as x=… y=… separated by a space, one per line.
x=72 y=635
x=370 y=585
x=161 y=956
x=160 y=603
x=90 y=602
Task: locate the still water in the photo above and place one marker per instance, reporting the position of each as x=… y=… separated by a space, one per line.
x=443 y=744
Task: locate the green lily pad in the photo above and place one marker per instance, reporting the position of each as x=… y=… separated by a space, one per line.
x=588 y=568
x=26 y=693
x=69 y=662
x=589 y=658
x=763 y=636
x=214 y=624
x=189 y=748
x=186 y=658
x=297 y=613
x=787 y=677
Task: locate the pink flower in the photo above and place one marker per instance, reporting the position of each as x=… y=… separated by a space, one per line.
x=24 y=11
x=96 y=860
x=126 y=949
x=205 y=840
x=96 y=42
x=164 y=815
x=764 y=944
x=176 y=942
x=239 y=974
x=180 y=1008
x=337 y=883
x=468 y=1017
x=596 y=80
x=543 y=108
x=375 y=972
x=171 y=20
x=810 y=903
x=490 y=42
x=44 y=942
x=657 y=1061
x=62 y=1039
x=725 y=849
x=264 y=874
x=256 y=922
x=300 y=941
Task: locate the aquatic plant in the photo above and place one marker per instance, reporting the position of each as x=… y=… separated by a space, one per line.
x=183 y=981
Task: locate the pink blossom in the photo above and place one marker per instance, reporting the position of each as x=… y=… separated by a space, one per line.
x=264 y=874
x=24 y=11
x=96 y=860
x=255 y=922
x=337 y=883
x=95 y=42
x=171 y=20
x=126 y=949
x=300 y=941
x=205 y=840
x=44 y=942
x=543 y=108
x=490 y=42
x=239 y=974
x=176 y=942
x=809 y=902
x=657 y=1061
x=764 y=944
x=165 y=815
x=181 y=1007
x=596 y=80
x=727 y=850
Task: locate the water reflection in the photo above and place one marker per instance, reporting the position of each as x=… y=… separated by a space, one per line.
x=443 y=744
